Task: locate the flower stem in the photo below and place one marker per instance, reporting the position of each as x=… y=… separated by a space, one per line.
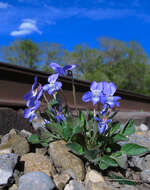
x=74 y=94
x=45 y=98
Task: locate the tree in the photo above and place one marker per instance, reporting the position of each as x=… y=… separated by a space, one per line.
x=88 y=60
x=51 y=52
x=24 y=53
x=124 y=64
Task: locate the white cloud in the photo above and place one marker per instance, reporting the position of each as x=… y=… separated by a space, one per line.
x=27 y=27
x=3 y=5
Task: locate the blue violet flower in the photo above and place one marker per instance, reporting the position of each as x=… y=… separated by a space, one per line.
x=95 y=94
x=62 y=71
x=53 y=86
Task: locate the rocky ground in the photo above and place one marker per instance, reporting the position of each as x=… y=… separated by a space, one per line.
x=24 y=166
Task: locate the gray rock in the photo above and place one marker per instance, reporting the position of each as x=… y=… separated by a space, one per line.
x=143 y=127
x=137 y=161
x=146 y=162
x=142 y=163
x=25 y=133
x=147 y=121
x=36 y=181
x=145 y=176
x=74 y=185
x=7 y=164
x=128 y=187
x=123 y=161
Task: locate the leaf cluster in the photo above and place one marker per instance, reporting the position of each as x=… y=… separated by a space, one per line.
x=109 y=149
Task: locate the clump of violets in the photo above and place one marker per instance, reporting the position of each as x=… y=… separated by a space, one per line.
x=102 y=92
x=32 y=99
x=38 y=91
x=92 y=136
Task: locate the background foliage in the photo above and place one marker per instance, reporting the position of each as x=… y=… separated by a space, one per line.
x=125 y=64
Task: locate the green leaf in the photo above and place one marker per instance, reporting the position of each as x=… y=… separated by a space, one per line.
x=90 y=154
x=133 y=149
x=103 y=165
x=120 y=158
x=53 y=102
x=119 y=137
x=75 y=147
x=67 y=132
x=114 y=128
x=81 y=116
x=108 y=149
x=121 y=180
x=34 y=139
x=106 y=161
x=116 y=154
x=110 y=161
x=76 y=130
x=90 y=115
x=129 y=128
x=44 y=144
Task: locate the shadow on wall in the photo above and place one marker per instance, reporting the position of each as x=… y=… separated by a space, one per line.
x=12 y=119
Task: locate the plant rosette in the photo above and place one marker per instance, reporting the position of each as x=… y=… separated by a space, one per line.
x=92 y=136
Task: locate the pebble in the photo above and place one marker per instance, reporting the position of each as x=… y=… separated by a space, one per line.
x=128 y=187
x=94 y=177
x=7 y=164
x=36 y=181
x=74 y=185
x=37 y=162
x=61 y=180
x=63 y=159
x=145 y=175
x=143 y=127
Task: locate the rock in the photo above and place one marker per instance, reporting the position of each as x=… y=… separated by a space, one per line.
x=98 y=186
x=95 y=181
x=140 y=162
x=147 y=121
x=145 y=176
x=13 y=187
x=6 y=137
x=136 y=161
x=143 y=127
x=36 y=181
x=6 y=151
x=70 y=173
x=141 y=133
x=42 y=151
x=14 y=141
x=61 y=180
x=38 y=123
x=128 y=187
x=7 y=164
x=94 y=177
x=25 y=133
x=146 y=162
x=63 y=159
x=37 y=162
x=74 y=185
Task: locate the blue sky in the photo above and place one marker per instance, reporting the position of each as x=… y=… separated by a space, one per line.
x=71 y=22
